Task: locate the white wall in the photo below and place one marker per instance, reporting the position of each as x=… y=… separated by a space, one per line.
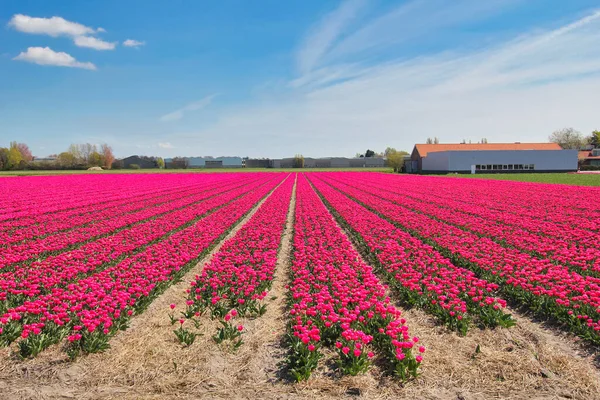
x=544 y=160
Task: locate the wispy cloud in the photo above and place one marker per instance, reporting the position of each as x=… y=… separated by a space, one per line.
x=47 y=56
x=165 y=145
x=515 y=89
x=178 y=114
x=94 y=43
x=133 y=43
x=324 y=34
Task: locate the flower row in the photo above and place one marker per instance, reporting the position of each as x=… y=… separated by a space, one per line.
x=47 y=224
x=65 y=240
x=550 y=290
x=238 y=277
x=91 y=310
x=569 y=245
x=421 y=275
x=40 y=277
x=337 y=301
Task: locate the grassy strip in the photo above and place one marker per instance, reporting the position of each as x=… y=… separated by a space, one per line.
x=552 y=178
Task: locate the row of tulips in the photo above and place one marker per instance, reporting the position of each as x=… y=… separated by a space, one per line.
x=337 y=301
x=572 y=246
x=531 y=200
x=33 y=196
x=239 y=276
x=40 y=248
x=420 y=275
x=40 y=277
x=550 y=290
x=47 y=224
x=16 y=194
x=88 y=312
x=549 y=216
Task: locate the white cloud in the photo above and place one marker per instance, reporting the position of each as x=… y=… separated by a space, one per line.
x=165 y=145
x=55 y=26
x=94 y=43
x=178 y=114
x=133 y=43
x=518 y=89
x=47 y=56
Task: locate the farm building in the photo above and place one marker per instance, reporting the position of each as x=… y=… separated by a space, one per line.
x=491 y=158
x=142 y=162
x=207 y=162
x=258 y=163
x=590 y=157
x=326 y=162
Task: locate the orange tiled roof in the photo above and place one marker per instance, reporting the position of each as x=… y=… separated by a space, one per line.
x=583 y=154
x=423 y=149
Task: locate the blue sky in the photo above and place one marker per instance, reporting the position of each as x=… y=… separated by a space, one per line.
x=276 y=78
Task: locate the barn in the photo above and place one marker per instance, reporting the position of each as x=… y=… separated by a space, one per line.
x=491 y=158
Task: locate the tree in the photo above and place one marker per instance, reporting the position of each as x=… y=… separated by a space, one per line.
x=107 y=155
x=25 y=152
x=95 y=159
x=436 y=140
x=388 y=151
x=369 y=153
x=14 y=156
x=3 y=158
x=74 y=151
x=160 y=163
x=429 y=141
x=86 y=150
x=395 y=158
x=568 y=138
x=484 y=141
x=66 y=159
x=298 y=161
x=594 y=139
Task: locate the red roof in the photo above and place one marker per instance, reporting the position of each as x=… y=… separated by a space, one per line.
x=423 y=149
x=582 y=154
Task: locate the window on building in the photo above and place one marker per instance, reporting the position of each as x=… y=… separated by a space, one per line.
x=531 y=166
x=489 y=166
x=510 y=166
x=505 y=166
x=526 y=166
x=477 y=167
x=483 y=166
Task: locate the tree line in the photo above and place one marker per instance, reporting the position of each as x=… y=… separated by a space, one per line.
x=18 y=156
x=569 y=138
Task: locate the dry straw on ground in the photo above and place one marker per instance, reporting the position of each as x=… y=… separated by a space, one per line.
x=527 y=361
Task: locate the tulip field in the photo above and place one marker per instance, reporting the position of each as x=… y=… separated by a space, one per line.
x=345 y=274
